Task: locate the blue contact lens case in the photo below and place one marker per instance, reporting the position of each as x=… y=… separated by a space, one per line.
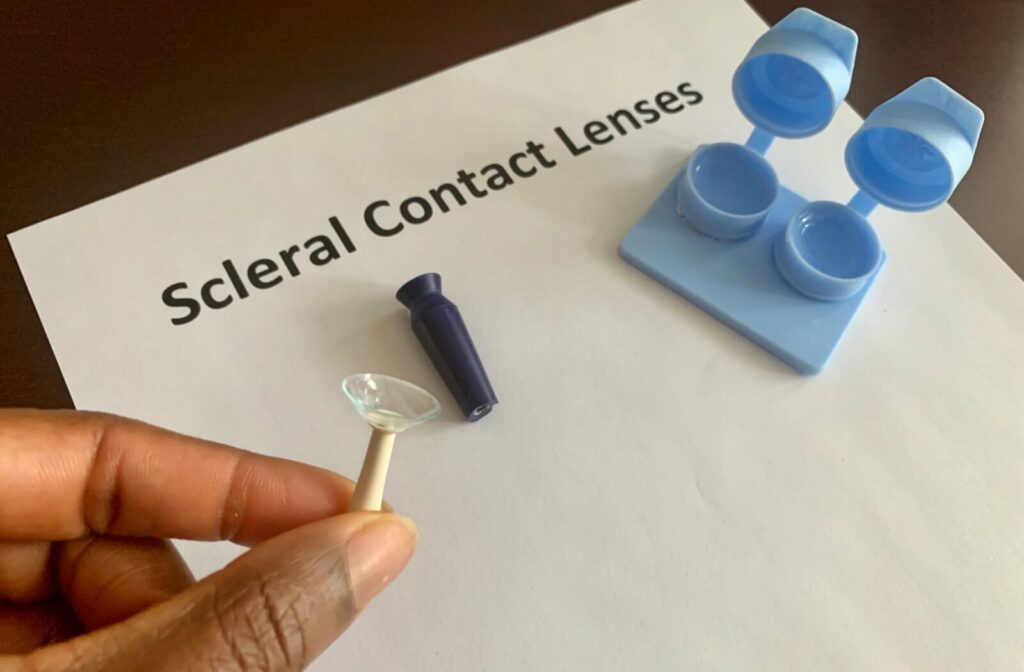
x=787 y=273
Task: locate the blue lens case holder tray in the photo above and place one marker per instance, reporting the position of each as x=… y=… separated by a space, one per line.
x=787 y=273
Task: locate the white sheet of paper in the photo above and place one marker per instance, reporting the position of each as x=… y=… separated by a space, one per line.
x=653 y=492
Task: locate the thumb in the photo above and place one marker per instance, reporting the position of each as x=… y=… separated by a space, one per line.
x=274 y=608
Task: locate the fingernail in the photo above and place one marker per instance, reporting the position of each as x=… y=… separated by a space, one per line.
x=377 y=554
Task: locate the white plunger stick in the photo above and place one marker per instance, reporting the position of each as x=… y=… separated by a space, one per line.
x=369 y=492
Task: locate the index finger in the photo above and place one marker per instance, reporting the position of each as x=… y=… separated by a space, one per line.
x=64 y=474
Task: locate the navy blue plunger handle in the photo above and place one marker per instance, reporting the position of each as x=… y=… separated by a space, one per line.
x=442 y=333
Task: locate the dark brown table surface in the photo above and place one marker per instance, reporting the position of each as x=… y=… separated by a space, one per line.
x=99 y=96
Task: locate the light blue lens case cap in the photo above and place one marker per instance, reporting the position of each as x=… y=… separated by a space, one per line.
x=913 y=150
x=795 y=76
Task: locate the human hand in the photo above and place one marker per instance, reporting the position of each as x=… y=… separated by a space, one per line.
x=88 y=580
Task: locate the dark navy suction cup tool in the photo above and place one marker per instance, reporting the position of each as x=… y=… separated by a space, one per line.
x=790 y=84
x=438 y=325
